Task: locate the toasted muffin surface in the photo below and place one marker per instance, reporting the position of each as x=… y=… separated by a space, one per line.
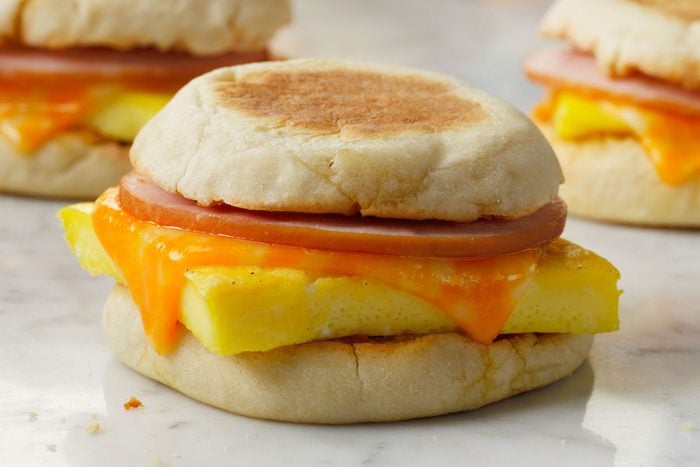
x=686 y=9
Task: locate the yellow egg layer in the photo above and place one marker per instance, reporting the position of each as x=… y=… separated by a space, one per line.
x=233 y=309
x=121 y=115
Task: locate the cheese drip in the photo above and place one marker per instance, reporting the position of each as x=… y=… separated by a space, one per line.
x=478 y=294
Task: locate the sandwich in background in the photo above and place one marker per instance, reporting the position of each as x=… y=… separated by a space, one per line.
x=338 y=242
x=78 y=79
x=623 y=108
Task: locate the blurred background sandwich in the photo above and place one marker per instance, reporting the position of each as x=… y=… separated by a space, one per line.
x=623 y=108
x=78 y=79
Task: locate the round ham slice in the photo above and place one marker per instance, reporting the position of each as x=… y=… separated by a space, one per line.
x=100 y=63
x=566 y=67
x=486 y=237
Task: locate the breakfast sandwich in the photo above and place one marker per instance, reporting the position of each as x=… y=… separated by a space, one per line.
x=78 y=79
x=623 y=108
x=338 y=242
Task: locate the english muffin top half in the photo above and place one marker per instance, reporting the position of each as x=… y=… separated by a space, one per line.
x=654 y=37
x=325 y=136
x=192 y=26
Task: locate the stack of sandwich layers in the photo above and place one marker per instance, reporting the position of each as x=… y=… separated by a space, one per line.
x=336 y=242
x=79 y=79
x=623 y=109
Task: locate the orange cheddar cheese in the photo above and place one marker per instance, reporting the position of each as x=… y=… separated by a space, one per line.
x=34 y=111
x=673 y=143
x=478 y=293
x=31 y=115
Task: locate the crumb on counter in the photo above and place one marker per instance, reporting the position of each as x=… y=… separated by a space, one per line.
x=93 y=427
x=687 y=426
x=132 y=403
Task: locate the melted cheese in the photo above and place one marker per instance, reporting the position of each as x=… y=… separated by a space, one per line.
x=30 y=116
x=233 y=309
x=671 y=140
x=478 y=294
x=33 y=113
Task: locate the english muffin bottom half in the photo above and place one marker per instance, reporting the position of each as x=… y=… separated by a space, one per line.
x=338 y=242
x=623 y=108
x=79 y=79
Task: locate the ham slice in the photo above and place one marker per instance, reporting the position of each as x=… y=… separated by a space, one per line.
x=100 y=63
x=145 y=200
x=568 y=68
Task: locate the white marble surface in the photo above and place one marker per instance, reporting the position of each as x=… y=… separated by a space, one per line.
x=634 y=403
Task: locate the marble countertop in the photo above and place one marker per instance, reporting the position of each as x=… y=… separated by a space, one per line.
x=635 y=402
